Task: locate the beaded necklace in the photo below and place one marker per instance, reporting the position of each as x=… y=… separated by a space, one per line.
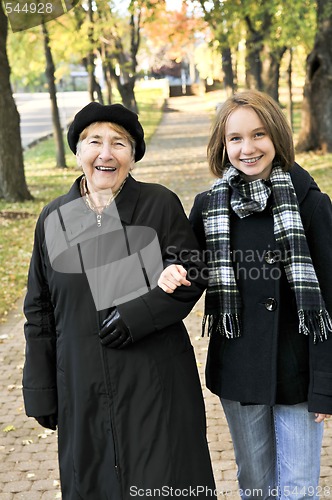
x=90 y=204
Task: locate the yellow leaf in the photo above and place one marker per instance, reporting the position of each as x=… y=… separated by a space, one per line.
x=9 y=428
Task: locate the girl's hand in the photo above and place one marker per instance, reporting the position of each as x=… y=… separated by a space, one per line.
x=320 y=417
x=172 y=277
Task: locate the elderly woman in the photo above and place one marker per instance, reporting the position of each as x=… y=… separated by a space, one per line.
x=108 y=359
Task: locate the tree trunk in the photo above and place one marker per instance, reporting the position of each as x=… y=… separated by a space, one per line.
x=108 y=80
x=271 y=71
x=128 y=96
x=57 y=131
x=254 y=47
x=12 y=179
x=126 y=81
x=253 y=66
x=91 y=76
x=316 y=123
x=93 y=85
x=227 y=68
x=99 y=92
x=90 y=60
x=126 y=90
x=290 y=106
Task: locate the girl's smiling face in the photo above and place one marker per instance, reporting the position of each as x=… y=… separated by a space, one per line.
x=106 y=157
x=248 y=145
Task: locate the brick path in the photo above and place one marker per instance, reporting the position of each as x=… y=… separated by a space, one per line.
x=28 y=453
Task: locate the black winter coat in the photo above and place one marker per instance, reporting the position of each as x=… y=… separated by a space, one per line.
x=131 y=420
x=271 y=362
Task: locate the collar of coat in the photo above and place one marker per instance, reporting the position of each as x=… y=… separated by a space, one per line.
x=302 y=182
x=129 y=195
x=125 y=202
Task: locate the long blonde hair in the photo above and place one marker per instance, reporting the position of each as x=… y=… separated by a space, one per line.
x=273 y=119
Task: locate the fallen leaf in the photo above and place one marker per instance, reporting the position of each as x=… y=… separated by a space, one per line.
x=9 y=428
x=27 y=441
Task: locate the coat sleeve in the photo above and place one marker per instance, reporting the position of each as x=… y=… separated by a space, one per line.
x=319 y=237
x=156 y=309
x=39 y=372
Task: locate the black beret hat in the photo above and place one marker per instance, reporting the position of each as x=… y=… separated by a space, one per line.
x=114 y=113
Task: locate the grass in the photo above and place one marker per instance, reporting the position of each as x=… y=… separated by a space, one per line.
x=46 y=182
x=17 y=220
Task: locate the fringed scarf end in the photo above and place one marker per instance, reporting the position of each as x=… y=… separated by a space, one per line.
x=315 y=323
x=227 y=325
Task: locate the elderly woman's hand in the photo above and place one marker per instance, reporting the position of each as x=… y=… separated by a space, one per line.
x=114 y=333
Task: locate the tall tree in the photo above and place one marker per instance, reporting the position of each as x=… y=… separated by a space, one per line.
x=12 y=179
x=262 y=45
x=172 y=50
x=222 y=21
x=271 y=70
x=291 y=25
x=57 y=131
x=254 y=48
x=126 y=60
x=120 y=38
x=268 y=28
x=93 y=85
x=316 y=126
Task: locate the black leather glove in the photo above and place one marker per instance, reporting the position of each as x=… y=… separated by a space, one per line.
x=48 y=421
x=114 y=333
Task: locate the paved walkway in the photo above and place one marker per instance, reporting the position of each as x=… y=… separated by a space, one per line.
x=36 y=113
x=28 y=453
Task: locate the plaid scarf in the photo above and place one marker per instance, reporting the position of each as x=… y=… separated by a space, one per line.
x=247 y=197
x=223 y=301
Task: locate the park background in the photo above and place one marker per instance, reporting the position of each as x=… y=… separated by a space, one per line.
x=145 y=54
x=139 y=52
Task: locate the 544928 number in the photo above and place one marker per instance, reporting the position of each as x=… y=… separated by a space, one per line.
x=28 y=8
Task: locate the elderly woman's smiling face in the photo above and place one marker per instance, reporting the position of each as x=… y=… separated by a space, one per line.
x=106 y=156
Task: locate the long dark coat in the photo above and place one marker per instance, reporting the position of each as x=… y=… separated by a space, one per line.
x=271 y=362
x=130 y=420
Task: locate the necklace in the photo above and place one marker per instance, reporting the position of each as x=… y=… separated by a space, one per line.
x=97 y=209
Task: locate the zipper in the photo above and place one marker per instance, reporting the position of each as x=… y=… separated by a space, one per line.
x=113 y=430
x=107 y=378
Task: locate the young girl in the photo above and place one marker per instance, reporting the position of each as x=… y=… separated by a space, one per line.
x=265 y=230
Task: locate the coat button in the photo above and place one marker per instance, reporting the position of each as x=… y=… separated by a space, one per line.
x=270 y=257
x=270 y=304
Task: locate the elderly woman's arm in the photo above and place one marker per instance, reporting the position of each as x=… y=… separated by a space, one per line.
x=39 y=374
x=156 y=309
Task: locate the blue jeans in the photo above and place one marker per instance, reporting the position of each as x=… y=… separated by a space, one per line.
x=277 y=450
